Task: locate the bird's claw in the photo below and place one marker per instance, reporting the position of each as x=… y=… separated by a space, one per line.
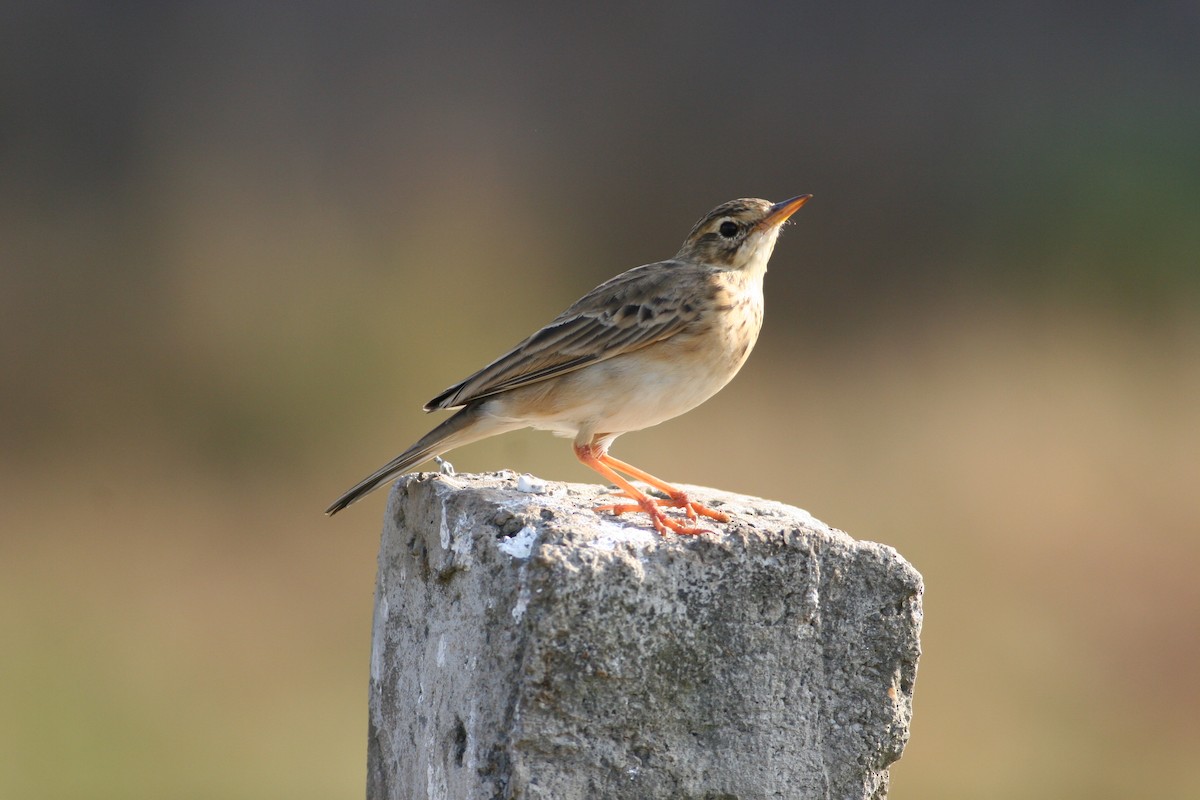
x=652 y=507
x=693 y=509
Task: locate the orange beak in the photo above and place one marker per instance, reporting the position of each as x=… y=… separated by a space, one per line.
x=780 y=212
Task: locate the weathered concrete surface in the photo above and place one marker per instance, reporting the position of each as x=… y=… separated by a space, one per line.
x=526 y=647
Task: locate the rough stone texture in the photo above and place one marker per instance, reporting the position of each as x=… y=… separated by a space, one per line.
x=527 y=647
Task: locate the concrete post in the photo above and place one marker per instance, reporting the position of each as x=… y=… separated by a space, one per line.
x=527 y=647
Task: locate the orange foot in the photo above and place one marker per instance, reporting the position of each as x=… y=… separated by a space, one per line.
x=679 y=499
x=662 y=523
x=608 y=466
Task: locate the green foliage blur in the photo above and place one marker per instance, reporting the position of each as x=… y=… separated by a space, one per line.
x=239 y=248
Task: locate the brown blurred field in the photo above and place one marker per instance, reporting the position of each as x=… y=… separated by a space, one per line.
x=239 y=253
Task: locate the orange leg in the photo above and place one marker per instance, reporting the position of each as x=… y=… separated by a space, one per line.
x=679 y=498
x=607 y=466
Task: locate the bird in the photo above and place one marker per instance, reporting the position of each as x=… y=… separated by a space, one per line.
x=645 y=346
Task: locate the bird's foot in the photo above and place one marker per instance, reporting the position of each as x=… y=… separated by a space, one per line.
x=679 y=499
x=612 y=469
x=652 y=507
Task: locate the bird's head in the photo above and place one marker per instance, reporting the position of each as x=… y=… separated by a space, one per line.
x=739 y=234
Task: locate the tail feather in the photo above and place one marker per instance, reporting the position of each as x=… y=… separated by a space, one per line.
x=468 y=425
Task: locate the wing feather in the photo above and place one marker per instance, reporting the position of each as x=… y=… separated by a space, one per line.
x=644 y=305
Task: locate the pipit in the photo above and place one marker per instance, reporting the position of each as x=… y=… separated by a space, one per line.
x=637 y=350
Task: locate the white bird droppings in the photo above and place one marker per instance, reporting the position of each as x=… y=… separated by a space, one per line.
x=520 y=544
x=530 y=485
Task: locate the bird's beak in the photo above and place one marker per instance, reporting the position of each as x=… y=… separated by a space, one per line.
x=778 y=213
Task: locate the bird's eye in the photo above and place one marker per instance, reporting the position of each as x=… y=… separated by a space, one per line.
x=728 y=229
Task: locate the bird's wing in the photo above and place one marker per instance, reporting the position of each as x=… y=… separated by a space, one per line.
x=644 y=305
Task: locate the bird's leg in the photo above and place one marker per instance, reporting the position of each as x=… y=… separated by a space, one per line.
x=662 y=523
x=678 y=498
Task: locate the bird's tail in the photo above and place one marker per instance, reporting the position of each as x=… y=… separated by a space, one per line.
x=468 y=425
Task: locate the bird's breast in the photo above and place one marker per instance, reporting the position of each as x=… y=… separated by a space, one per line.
x=654 y=383
x=736 y=319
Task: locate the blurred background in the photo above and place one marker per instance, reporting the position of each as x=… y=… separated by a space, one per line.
x=240 y=248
